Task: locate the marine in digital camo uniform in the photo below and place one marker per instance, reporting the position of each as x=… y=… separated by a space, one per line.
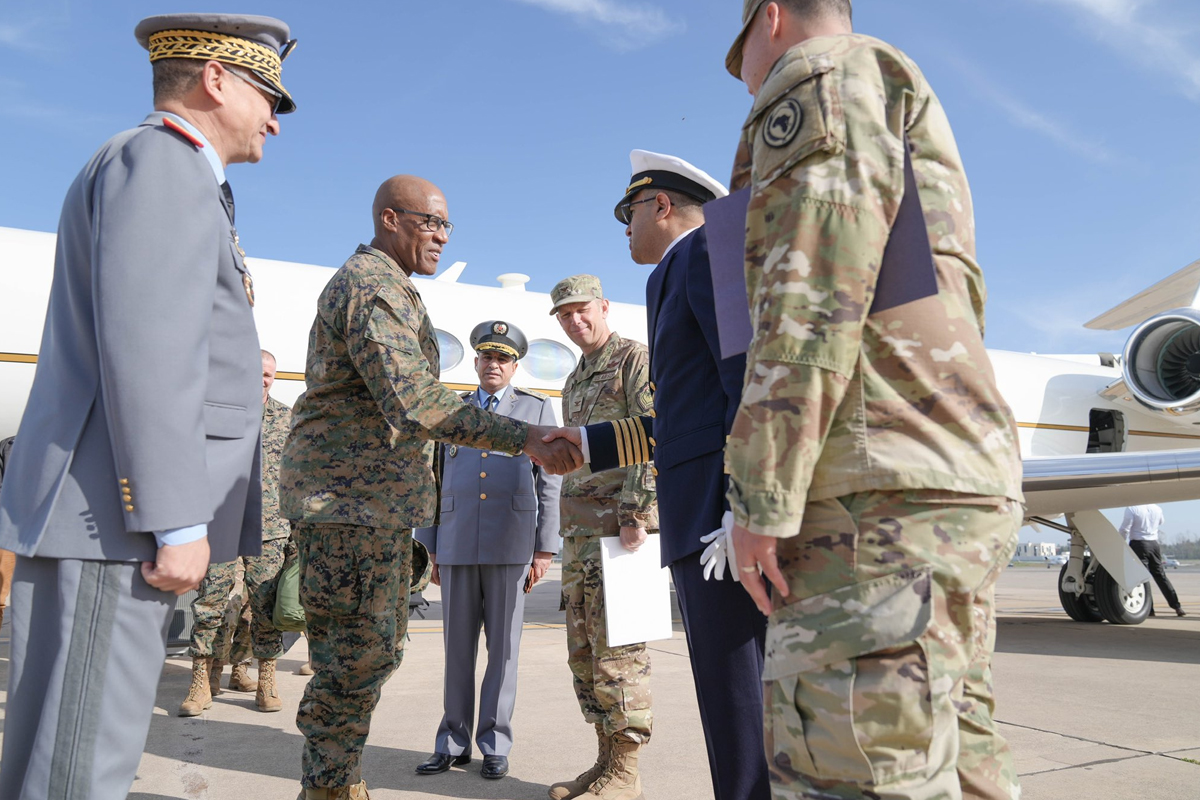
x=872 y=456
x=357 y=472
x=610 y=382
x=210 y=640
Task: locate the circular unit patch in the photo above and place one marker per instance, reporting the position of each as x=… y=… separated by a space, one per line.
x=783 y=123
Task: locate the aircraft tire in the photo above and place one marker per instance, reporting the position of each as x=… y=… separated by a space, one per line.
x=1082 y=608
x=1118 y=607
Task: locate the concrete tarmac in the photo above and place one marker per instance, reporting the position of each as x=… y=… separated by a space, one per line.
x=1091 y=710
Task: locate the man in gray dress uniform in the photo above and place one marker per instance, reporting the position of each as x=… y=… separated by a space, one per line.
x=497 y=513
x=140 y=442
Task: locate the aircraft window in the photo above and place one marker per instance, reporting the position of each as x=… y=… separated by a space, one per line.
x=451 y=349
x=548 y=360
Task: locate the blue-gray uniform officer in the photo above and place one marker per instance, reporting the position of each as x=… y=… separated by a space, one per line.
x=139 y=455
x=498 y=529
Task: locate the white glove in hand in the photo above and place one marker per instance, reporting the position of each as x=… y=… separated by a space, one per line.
x=720 y=551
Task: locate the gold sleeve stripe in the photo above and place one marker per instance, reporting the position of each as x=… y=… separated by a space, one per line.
x=630 y=447
x=621 y=458
x=630 y=442
x=639 y=438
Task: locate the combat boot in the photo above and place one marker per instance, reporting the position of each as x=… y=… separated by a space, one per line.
x=239 y=679
x=198 y=697
x=305 y=668
x=356 y=792
x=267 y=698
x=620 y=780
x=568 y=789
x=214 y=677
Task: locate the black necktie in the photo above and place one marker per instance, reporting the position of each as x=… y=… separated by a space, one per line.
x=227 y=191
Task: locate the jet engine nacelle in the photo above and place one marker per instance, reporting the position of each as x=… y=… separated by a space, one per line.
x=1162 y=362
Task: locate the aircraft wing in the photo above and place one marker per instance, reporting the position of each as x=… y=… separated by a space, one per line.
x=1174 y=291
x=1063 y=484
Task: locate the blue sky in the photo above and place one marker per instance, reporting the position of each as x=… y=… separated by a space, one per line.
x=1077 y=121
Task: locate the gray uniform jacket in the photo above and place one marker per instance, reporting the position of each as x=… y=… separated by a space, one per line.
x=146 y=405
x=508 y=515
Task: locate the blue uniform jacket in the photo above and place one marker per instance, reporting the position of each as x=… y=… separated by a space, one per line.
x=696 y=394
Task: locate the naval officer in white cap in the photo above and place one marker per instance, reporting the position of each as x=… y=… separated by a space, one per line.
x=696 y=394
x=116 y=497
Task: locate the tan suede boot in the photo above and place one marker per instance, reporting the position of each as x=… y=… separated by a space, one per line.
x=240 y=680
x=267 y=698
x=568 y=789
x=620 y=780
x=305 y=668
x=214 y=677
x=198 y=697
x=356 y=792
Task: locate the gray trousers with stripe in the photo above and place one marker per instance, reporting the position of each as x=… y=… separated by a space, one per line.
x=88 y=645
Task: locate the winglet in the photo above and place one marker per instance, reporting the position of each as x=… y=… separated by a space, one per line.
x=1175 y=291
x=451 y=275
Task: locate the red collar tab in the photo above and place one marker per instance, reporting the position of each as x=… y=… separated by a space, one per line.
x=182 y=131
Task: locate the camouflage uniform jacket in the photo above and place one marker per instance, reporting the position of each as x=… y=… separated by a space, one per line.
x=838 y=399
x=277 y=421
x=612 y=383
x=361 y=447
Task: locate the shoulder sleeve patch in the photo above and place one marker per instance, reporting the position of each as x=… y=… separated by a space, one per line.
x=802 y=118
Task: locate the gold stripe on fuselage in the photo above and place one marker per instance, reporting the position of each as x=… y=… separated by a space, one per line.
x=25 y=358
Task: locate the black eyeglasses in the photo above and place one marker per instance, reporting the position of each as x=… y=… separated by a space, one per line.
x=626 y=209
x=432 y=221
x=273 y=97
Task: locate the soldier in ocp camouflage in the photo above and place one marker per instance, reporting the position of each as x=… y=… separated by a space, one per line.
x=357 y=472
x=610 y=382
x=210 y=639
x=872 y=447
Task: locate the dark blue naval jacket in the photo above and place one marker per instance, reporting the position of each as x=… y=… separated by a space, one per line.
x=696 y=395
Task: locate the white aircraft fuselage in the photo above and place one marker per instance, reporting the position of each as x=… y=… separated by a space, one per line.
x=1096 y=431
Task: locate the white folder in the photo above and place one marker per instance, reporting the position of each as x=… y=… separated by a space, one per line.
x=637 y=592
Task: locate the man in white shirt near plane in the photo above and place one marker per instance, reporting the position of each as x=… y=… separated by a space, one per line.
x=1140 y=528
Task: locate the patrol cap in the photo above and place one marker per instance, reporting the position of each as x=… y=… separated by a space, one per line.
x=660 y=171
x=258 y=44
x=575 y=289
x=733 y=61
x=500 y=337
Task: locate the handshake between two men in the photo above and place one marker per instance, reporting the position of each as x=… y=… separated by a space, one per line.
x=556 y=450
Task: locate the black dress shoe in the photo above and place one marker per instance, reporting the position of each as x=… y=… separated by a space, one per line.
x=494 y=766
x=441 y=762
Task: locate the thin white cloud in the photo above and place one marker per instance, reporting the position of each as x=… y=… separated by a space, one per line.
x=20 y=37
x=1025 y=116
x=1163 y=42
x=625 y=26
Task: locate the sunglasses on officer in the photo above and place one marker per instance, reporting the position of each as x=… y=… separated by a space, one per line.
x=274 y=97
x=625 y=210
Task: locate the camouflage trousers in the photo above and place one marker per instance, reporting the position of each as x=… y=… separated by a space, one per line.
x=237 y=647
x=877 y=674
x=209 y=607
x=612 y=684
x=354 y=584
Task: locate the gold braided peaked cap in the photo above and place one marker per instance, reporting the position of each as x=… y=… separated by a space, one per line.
x=259 y=44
